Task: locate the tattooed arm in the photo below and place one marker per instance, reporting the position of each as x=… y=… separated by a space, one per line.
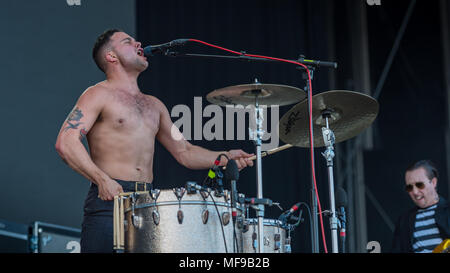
x=69 y=142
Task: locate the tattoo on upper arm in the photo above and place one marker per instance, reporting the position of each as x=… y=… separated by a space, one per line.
x=73 y=120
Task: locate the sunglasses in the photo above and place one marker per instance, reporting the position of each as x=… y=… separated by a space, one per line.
x=419 y=185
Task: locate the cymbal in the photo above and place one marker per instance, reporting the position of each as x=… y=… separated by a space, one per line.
x=349 y=114
x=266 y=94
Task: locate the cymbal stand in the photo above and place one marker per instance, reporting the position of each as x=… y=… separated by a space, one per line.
x=328 y=154
x=257 y=137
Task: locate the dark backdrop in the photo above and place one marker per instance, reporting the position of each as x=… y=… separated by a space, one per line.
x=47 y=65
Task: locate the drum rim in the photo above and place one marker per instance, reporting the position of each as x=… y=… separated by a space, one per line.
x=177 y=203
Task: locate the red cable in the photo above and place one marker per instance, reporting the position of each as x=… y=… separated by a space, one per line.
x=310 y=119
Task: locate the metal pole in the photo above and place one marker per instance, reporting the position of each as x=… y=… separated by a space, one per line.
x=260 y=211
x=333 y=218
x=314 y=202
x=328 y=154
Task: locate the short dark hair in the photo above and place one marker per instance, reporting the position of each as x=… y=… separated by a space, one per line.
x=428 y=166
x=101 y=41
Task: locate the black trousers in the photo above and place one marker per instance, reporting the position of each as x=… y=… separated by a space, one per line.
x=97 y=227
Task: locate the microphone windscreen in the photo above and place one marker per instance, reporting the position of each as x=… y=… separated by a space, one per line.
x=341 y=197
x=232 y=171
x=148 y=51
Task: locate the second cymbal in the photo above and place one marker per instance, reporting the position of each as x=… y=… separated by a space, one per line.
x=266 y=94
x=349 y=114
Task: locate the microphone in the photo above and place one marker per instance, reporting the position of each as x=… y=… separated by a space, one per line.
x=317 y=63
x=286 y=214
x=341 y=204
x=150 y=50
x=294 y=208
x=232 y=174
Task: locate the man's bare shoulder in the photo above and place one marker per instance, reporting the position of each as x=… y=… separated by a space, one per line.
x=98 y=90
x=96 y=93
x=157 y=102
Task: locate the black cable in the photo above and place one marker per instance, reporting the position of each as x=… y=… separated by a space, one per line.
x=310 y=223
x=221 y=224
x=236 y=247
x=299 y=220
x=214 y=202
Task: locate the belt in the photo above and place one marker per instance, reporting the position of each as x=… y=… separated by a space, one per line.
x=143 y=185
x=138 y=186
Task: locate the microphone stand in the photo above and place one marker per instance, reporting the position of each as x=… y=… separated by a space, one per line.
x=314 y=201
x=311 y=64
x=240 y=57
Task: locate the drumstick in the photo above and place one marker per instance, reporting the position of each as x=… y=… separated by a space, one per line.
x=121 y=224
x=272 y=151
x=269 y=152
x=116 y=219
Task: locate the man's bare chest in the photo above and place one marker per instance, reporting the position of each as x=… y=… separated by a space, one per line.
x=131 y=113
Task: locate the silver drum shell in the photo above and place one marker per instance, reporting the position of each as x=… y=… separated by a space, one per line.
x=274 y=236
x=144 y=235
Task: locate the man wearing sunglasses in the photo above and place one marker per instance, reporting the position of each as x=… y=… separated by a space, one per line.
x=424 y=227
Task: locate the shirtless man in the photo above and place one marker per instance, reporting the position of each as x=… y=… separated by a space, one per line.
x=121 y=124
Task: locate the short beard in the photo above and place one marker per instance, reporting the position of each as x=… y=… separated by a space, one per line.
x=141 y=63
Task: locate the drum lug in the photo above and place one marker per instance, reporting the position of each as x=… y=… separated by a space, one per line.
x=204 y=194
x=179 y=192
x=180 y=216
x=226 y=218
x=245 y=228
x=255 y=241
x=240 y=223
x=137 y=221
x=154 y=194
x=205 y=216
x=277 y=240
x=156 y=217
